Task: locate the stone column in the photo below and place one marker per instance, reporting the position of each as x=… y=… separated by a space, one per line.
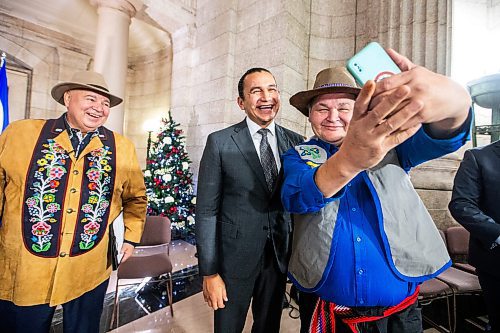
x=421 y=30
x=111 y=50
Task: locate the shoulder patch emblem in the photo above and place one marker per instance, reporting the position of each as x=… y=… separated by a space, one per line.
x=312 y=154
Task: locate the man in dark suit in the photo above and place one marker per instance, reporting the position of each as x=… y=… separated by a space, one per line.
x=475 y=204
x=242 y=232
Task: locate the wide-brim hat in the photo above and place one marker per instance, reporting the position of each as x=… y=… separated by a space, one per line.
x=85 y=80
x=329 y=80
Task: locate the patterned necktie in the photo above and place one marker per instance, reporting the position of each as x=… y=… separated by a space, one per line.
x=267 y=160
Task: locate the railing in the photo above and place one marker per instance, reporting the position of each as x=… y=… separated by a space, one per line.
x=492 y=130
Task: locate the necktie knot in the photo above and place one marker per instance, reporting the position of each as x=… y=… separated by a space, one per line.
x=267 y=159
x=263 y=132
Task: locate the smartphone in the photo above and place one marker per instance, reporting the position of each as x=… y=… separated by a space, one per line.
x=372 y=63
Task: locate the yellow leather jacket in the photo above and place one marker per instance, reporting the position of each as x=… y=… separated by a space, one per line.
x=56 y=210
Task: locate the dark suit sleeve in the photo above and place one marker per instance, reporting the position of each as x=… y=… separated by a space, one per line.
x=207 y=208
x=466 y=199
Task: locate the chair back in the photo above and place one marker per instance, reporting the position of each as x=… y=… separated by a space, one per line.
x=443 y=236
x=156 y=231
x=458 y=241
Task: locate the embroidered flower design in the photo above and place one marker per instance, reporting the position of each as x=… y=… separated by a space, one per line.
x=41 y=204
x=53 y=207
x=40 y=229
x=56 y=172
x=49 y=198
x=31 y=202
x=93 y=174
x=98 y=201
x=42 y=162
x=54 y=183
x=87 y=208
x=91 y=228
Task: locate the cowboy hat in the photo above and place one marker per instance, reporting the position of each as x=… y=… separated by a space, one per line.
x=329 y=80
x=85 y=80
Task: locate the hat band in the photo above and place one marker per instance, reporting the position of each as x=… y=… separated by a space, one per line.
x=98 y=87
x=328 y=85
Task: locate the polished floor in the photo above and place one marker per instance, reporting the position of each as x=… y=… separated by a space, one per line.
x=191 y=314
x=144 y=306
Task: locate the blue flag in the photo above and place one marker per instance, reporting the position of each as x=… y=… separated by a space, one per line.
x=4 y=97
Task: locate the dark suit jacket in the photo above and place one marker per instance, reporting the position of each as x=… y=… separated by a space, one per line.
x=475 y=204
x=234 y=207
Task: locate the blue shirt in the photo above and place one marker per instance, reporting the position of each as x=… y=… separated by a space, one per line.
x=359 y=274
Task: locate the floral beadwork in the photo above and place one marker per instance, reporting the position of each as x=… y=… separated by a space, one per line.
x=94 y=209
x=42 y=205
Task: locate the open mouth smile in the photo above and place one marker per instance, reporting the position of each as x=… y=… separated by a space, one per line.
x=265 y=107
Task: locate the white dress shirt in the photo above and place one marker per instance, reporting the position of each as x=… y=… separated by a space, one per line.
x=271 y=138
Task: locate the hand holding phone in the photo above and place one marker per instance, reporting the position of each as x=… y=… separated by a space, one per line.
x=371 y=63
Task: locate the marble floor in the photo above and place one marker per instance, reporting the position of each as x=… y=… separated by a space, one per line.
x=191 y=314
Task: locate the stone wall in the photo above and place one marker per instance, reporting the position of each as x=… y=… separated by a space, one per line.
x=148 y=96
x=197 y=75
x=52 y=57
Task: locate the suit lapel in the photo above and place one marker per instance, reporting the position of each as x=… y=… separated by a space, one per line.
x=283 y=142
x=244 y=142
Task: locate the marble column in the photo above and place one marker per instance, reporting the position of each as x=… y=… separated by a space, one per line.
x=111 y=50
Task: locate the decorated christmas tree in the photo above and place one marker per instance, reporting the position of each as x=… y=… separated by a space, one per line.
x=169 y=182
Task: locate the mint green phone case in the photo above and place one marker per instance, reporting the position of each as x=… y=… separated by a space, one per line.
x=371 y=63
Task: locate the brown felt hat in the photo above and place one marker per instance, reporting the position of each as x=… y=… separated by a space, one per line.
x=86 y=80
x=329 y=80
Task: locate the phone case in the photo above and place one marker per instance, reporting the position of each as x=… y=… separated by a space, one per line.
x=371 y=63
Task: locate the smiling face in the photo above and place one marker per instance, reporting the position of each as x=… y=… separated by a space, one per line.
x=87 y=110
x=261 y=98
x=330 y=115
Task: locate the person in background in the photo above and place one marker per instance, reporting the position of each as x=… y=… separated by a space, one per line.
x=62 y=182
x=242 y=231
x=475 y=205
x=363 y=240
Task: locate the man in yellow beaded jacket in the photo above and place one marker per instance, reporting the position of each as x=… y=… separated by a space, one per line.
x=62 y=182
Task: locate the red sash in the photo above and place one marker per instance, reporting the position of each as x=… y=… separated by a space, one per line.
x=325 y=313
